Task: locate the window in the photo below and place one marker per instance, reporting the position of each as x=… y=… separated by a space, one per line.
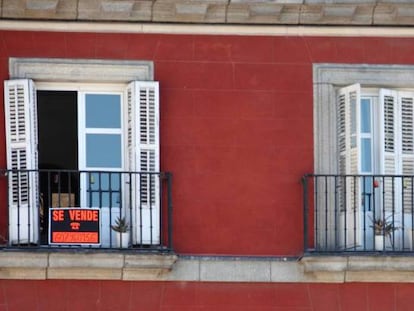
x=363 y=133
x=375 y=139
x=375 y=127
x=103 y=131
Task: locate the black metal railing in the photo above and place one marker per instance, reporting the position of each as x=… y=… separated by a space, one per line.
x=358 y=213
x=78 y=209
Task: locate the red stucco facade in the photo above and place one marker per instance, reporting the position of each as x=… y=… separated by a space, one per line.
x=237 y=135
x=187 y=296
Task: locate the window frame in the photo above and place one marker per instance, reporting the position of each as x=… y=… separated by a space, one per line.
x=82 y=89
x=327 y=78
x=74 y=74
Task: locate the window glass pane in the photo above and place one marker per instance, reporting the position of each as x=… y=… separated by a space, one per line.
x=103 y=150
x=104 y=189
x=366 y=166
x=103 y=199
x=105 y=181
x=365 y=115
x=103 y=111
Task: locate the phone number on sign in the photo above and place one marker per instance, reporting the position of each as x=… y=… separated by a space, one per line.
x=75 y=237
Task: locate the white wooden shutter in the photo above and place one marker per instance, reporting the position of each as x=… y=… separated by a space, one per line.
x=406 y=129
x=388 y=132
x=389 y=147
x=21 y=141
x=348 y=128
x=144 y=157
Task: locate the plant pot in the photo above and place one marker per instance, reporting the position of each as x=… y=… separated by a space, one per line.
x=379 y=242
x=408 y=242
x=122 y=239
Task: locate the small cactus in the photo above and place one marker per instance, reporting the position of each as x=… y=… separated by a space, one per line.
x=121 y=225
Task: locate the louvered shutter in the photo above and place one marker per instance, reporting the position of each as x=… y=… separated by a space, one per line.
x=143 y=153
x=388 y=132
x=389 y=142
x=21 y=141
x=348 y=129
x=406 y=101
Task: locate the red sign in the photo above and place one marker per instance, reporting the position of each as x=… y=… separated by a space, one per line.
x=74 y=226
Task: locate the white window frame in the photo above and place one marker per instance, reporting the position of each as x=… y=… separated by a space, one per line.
x=92 y=88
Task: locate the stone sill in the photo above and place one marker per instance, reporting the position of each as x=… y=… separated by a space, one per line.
x=168 y=267
x=97 y=266
x=342 y=269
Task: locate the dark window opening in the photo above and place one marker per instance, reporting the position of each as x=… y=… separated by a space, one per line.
x=57 y=150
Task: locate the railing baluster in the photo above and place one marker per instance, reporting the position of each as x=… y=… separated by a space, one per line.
x=150 y=178
x=357 y=207
x=326 y=211
x=140 y=208
x=383 y=207
x=170 y=211
x=410 y=232
x=316 y=212
x=336 y=210
x=375 y=184
x=402 y=212
x=365 y=197
x=132 y=206
x=305 y=211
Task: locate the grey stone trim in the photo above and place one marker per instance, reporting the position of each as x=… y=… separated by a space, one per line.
x=137 y=10
x=80 y=70
x=327 y=78
x=169 y=267
x=235 y=271
x=209 y=11
x=275 y=12
x=392 y=14
x=263 y=13
x=40 y=9
x=71 y=265
x=337 y=14
x=360 y=268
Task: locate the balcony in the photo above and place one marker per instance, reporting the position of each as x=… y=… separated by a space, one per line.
x=67 y=209
x=358 y=214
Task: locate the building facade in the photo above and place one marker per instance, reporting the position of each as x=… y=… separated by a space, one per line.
x=261 y=154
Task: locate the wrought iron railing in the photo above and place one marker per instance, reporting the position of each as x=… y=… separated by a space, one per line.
x=358 y=213
x=86 y=209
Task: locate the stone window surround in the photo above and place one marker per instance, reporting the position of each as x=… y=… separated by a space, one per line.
x=327 y=78
x=47 y=264
x=80 y=70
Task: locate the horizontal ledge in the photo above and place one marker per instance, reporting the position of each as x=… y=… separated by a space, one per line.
x=360 y=268
x=200 y=29
x=170 y=267
x=85 y=265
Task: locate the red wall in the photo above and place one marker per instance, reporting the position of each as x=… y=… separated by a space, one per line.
x=185 y=296
x=236 y=124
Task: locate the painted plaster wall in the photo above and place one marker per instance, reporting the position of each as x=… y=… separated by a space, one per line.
x=236 y=124
x=184 y=296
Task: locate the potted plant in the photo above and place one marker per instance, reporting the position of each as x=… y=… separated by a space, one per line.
x=382 y=229
x=121 y=227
